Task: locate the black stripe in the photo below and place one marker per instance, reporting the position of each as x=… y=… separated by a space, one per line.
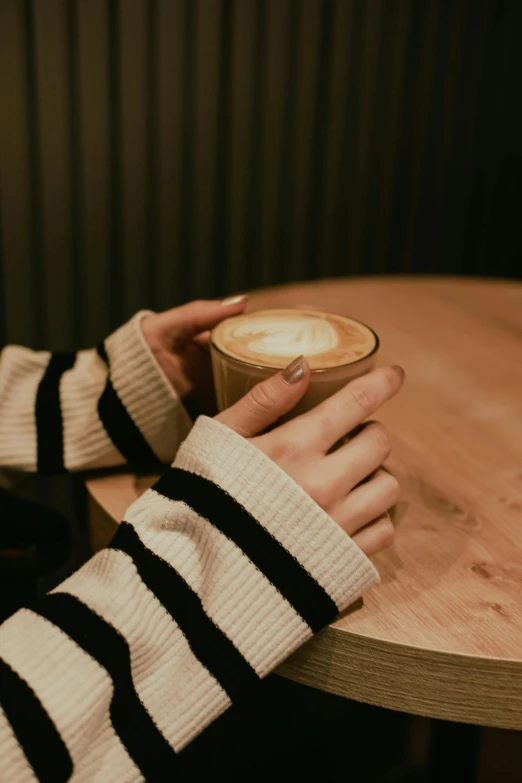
x=41 y=742
x=208 y=500
x=102 y=352
x=210 y=645
x=121 y=427
x=48 y=415
x=145 y=744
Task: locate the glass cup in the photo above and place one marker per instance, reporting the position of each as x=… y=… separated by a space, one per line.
x=233 y=377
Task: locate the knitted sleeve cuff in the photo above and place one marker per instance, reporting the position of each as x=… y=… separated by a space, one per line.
x=145 y=391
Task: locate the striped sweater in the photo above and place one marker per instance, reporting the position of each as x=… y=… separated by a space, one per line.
x=215 y=576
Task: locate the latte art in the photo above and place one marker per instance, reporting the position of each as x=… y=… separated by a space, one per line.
x=272 y=338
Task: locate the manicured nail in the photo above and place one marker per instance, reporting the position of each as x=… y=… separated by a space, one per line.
x=294 y=372
x=233 y=300
x=400 y=371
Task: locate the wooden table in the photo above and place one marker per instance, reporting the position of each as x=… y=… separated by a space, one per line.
x=442 y=635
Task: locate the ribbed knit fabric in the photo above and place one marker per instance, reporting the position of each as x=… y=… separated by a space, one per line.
x=61 y=412
x=215 y=576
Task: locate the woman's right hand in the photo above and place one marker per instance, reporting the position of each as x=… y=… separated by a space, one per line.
x=348 y=483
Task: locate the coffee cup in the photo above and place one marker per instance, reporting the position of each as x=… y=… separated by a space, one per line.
x=250 y=347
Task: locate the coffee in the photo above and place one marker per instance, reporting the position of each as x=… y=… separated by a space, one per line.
x=249 y=348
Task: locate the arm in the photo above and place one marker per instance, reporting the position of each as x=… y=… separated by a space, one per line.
x=217 y=575
x=90 y=409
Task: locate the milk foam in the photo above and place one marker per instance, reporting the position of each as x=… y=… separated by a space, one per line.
x=273 y=336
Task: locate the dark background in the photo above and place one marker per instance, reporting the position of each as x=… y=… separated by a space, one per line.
x=154 y=151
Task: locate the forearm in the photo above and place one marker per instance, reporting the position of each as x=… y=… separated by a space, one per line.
x=217 y=575
x=91 y=409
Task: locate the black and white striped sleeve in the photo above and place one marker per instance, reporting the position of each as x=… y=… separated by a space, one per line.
x=98 y=408
x=216 y=575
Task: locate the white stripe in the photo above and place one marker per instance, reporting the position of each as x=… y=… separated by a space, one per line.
x=106 y=760
x=86 y=443
x=145 y=390
x=179 y=693
x=281 y=506
x=14 y=767
x=73 y=688
x=21 y=373
x=239 y=599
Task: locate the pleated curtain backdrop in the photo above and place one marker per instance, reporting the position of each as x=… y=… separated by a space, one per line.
x=154 y=151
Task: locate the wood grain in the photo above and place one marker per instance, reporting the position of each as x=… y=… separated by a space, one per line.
x=442 y=635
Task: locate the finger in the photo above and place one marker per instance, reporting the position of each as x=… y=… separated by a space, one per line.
x=268 y=401
x=343 y=411
x=368 y=501
x=359 y=457
x=183 y=323
x=376 y=536
x=202 y=340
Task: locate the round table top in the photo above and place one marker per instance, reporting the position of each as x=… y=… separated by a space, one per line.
x=441 y=636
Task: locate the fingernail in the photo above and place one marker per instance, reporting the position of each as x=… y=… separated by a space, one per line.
x=294 y=372
x=232 y=300
x=400 y=371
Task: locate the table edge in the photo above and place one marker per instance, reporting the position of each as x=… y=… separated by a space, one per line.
x=485 y=691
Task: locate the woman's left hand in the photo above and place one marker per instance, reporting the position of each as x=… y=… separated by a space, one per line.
x=178 y=338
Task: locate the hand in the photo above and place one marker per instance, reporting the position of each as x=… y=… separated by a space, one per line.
x=178 y=338
x=349 y=483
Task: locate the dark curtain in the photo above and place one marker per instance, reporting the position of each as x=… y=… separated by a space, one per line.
x=153 y=151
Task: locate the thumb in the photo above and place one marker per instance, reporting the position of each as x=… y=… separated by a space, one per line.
x=268 y=401
x=185 y=322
